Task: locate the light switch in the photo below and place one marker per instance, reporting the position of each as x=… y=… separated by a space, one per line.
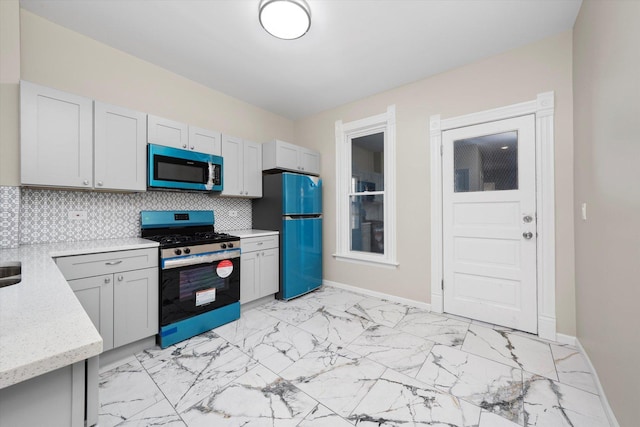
x=584 y=211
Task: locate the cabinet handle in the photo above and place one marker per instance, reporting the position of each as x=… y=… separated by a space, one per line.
x=258 y=254
x=184 y=145
x=260 y=243
x=99 y=183
x=107 y=280
x=241 y=193
x=113 y=262
x=120 y=278
x=192 y=147
x=85 y=182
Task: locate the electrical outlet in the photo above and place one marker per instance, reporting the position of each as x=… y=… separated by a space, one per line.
x=78 y=215
x=584 y=211
x=233 y=214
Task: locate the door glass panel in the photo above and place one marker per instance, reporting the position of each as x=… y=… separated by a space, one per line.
x=486 y=163
x=367 y=223
x=367 y=163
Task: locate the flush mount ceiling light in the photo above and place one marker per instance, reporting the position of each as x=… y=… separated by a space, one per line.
x=285 y=19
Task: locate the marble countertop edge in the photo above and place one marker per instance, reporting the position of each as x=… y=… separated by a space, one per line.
x=43 y=326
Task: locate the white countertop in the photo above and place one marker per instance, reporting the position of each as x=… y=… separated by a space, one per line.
x=252 y=233
x=43 y=327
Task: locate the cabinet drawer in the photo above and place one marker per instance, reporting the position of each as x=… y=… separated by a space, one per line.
x=251 y=244
x=78 y=266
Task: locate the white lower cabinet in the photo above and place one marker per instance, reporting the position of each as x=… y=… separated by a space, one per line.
x=119 y=291
x=259 y=267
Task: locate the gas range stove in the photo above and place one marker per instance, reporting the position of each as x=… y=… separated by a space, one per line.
x=198 y=238
x=185 y=233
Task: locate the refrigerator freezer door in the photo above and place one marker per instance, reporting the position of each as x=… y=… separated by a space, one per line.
x=302 y=194
x=301 y=256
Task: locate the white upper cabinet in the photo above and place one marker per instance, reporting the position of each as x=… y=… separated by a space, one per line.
x=179 y=135
x=120 y=148
x=167 y=132
x=242 y=169
x=56 y=138
x=70 y=141
x=279 y=154
x=205 y=141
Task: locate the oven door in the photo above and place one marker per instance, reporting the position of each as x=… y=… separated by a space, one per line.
x=193 y=285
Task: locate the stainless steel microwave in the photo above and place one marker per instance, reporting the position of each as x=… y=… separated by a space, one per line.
x=175 y=169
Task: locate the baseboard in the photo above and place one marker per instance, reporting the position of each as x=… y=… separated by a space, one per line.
x=603 y=397
x=381 y=295
x=547 y=328
x=566 y=339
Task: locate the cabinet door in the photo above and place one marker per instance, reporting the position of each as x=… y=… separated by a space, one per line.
x=56 y=138
x=96 y=296
x=204 y=141
x=120 y=148
x=249 y=277
x=309 y=161
x=269 y=272
x=167 y=132
x=287 y=156
x=252 y=165
x=135 y=302
x=232 y=153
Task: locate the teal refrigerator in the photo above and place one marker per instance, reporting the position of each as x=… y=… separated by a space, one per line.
x=291 y=203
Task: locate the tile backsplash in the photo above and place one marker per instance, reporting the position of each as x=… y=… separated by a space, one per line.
x=9 y=216
x=44 y=214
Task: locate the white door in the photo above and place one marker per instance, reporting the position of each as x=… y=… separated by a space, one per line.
x=489 y=222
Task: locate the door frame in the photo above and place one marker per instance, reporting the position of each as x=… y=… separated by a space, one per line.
x=543 y=108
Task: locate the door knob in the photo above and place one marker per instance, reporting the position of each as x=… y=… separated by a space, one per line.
x=527 y=219
x=527 y=235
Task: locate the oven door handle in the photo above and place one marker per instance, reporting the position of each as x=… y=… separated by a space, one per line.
x=199 y=259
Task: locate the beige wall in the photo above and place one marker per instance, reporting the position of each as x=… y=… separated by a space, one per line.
x=607 y=153
x=57 y=57
x=513 y=77
x=9 y=78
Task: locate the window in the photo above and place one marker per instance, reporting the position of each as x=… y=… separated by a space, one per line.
x=365 y=169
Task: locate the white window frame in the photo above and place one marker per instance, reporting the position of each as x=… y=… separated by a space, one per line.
x=345 y=132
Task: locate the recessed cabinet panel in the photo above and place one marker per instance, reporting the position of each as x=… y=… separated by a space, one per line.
x=96 y=296
x=55 y=137
x=287 y=156
x=167 y=132
x=120 y=148
x=205 y=141
x=242 y=167
x=135 y=305
x=232 y=168
x=309 y=161
x=249 y=277
x=269 y=272
x=252 y=165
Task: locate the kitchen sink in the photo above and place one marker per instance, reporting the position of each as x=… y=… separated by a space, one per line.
x=10 y=273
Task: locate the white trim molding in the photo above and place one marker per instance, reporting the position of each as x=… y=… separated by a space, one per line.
x=381 y=295
x=603 y=397
x=543 y=108
x=344 y=133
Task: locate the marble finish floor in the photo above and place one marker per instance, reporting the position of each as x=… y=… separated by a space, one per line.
x=335 y=358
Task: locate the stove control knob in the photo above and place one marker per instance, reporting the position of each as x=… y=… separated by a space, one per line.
x=230 y=245
x=187 y=250
x=223 y=246
x=178 y=252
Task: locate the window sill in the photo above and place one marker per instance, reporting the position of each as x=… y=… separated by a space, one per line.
x=378 y=262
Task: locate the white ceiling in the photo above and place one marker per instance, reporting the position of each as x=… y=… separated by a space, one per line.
x=355 y=48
